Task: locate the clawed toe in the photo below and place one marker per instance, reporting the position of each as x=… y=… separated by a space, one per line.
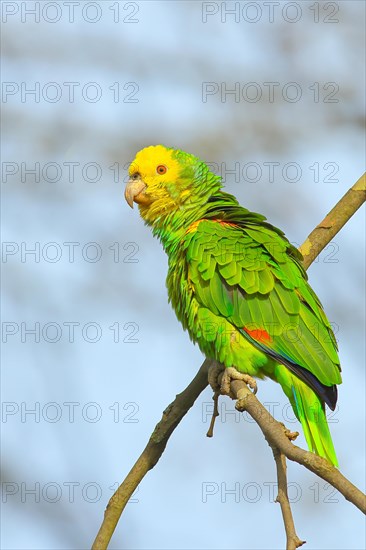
x=220 y=379
x=214 y=374
x=232 y=374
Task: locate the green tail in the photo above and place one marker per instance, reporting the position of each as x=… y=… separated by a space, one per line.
x=310 y=411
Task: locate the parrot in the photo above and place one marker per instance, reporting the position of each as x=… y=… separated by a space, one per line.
x=238 y=287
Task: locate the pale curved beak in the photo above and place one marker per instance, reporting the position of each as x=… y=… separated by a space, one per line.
x=133 y=188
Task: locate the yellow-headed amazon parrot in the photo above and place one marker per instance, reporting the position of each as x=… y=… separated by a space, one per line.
x=237 y=285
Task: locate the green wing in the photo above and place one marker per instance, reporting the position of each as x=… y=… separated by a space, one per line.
x=250 y=274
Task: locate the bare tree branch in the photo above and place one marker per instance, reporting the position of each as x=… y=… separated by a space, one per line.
x=292 y=540
x=334 y=221
x=174 y=413
x=276 y=437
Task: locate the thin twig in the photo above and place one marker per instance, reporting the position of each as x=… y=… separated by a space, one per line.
x=275 y=435
x=173 y=414
x=215 y=414
x=292 y=540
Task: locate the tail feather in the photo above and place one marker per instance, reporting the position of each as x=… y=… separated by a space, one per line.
x=310 y=411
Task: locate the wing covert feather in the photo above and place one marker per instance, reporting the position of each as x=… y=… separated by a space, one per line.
x=247 y=276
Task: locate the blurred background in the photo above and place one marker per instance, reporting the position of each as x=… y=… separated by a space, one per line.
x=272 y=95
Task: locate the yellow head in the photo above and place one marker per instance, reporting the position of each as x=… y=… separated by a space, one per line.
x=164 y=180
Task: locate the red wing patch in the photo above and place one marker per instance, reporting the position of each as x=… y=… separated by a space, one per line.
x=259 y=334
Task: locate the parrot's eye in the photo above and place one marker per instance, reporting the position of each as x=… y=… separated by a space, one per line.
x=135 y=176
x=161 y=169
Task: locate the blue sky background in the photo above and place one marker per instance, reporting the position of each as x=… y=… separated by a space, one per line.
x=97 y=402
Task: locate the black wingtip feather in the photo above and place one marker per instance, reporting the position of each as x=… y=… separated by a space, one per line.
x=328 y=394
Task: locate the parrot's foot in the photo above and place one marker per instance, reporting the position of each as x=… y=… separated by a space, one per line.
x=214 y=374
x=289 y=434
x=232 y=374
x=219 y=379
